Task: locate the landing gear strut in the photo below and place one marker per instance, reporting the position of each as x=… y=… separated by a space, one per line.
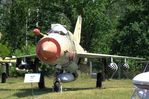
x=5 y=73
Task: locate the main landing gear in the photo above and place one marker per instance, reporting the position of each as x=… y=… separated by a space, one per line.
x=4 y=77
x=99 y=80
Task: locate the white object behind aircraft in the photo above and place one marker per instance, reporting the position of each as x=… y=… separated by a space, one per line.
x=141 y=82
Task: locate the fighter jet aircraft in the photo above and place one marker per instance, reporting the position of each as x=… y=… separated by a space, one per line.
x=61 y=48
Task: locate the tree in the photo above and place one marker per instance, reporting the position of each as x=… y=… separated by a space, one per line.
x=4 y=50
x=132 y=32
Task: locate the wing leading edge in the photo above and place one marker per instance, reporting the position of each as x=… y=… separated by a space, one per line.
x=23 y=56
x=7 y=61
x=95 y=55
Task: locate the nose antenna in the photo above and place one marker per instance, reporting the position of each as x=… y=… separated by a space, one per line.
x=37 y=32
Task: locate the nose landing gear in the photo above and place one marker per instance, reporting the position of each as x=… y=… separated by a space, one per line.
x=57 y=86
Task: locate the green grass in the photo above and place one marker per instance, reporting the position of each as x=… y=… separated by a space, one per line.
x=82 y=88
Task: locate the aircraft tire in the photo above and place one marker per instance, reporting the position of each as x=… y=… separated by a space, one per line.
x=99 y=80
x=4 y=77
x=41 y=83
x=57 y=86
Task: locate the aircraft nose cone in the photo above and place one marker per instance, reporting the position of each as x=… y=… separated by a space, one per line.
x=48 y=50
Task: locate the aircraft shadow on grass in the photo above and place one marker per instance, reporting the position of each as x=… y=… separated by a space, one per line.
x=28 y=92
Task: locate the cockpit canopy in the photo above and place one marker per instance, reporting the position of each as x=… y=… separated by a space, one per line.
x=58 y=28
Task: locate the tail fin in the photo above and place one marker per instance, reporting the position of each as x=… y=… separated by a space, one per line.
x=77 y=31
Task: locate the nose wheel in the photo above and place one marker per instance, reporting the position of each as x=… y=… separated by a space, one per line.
x=57 y=87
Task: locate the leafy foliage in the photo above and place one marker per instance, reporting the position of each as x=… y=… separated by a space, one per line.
x=132 y=32
x=25 y=50
x=4 y=50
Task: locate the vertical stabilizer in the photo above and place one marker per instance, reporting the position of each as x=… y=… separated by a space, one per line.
x=77 y=31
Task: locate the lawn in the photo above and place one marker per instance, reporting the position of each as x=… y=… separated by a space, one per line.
x=82 y=88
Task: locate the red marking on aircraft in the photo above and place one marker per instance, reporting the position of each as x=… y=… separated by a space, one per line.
x=48 y=49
